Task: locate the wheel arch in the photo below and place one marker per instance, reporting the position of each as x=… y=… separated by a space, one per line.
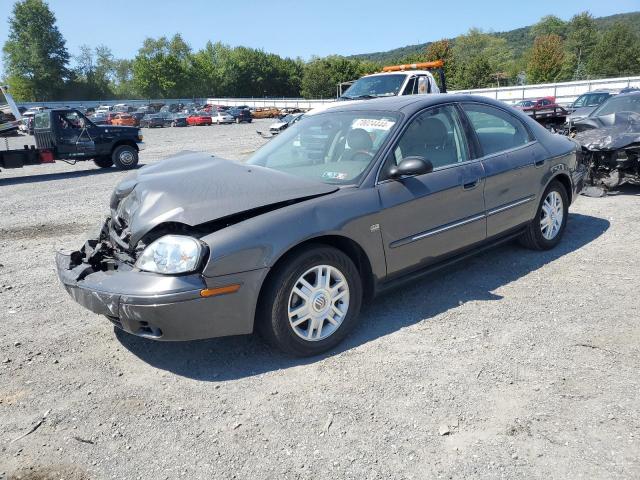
x=565 y=180
x=124 y=141
x=346 y=245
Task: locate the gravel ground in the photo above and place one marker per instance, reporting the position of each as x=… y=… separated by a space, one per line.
x=515 y=364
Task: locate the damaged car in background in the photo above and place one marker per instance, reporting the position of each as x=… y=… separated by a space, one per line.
x=283 y=122
x=345 y=204
x=610 y=140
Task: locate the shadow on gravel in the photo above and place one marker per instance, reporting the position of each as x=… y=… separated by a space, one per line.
x=472 y=280
x=630 y=190
x=50 y=177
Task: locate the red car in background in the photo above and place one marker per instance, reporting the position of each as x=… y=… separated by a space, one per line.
x=110 y=117
x=542 y=103
x=199 y=118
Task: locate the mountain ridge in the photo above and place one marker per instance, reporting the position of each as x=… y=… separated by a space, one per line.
x=519 y=39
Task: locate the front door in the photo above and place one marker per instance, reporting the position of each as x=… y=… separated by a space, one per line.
x=74 y=139
x=427 y=217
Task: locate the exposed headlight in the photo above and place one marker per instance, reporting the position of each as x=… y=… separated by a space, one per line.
x=171 y=254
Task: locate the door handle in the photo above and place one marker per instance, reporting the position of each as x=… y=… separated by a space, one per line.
x=471 y=185
x=539 y=163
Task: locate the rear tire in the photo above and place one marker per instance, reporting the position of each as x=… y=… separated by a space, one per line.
x=546 y=229
x=103 y=162
x=333 y=302
x=125 y=157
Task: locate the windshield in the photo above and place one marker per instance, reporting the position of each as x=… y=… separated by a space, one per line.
x=376 y=86
x=617 y=104
x=332 y=147
x=590 y=100
x=524 y=103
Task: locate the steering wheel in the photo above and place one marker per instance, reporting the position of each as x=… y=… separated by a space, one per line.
x=361 y=155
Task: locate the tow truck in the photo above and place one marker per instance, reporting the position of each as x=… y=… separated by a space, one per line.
x=67 y=135
x=406 y=79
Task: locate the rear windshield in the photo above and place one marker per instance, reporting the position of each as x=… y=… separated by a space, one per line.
x=42 y=120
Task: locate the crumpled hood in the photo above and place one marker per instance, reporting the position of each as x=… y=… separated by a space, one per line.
x=194 y=188
x=609 y=132
x=580 y=113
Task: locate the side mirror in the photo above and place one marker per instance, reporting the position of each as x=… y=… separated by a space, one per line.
x=411 y=167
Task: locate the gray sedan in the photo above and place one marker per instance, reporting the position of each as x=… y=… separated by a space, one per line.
x=354 y=199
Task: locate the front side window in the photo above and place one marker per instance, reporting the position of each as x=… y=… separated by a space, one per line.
x=411 y=87
x=435 y=135
x=496 y=129
x=332 y=147
x=71 y=120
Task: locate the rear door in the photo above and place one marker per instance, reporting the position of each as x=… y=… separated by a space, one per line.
x=427 y=217
x=512 y=161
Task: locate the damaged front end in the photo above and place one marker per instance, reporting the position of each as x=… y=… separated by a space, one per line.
x=97 y=255
x=102 y=277
x=612 y=151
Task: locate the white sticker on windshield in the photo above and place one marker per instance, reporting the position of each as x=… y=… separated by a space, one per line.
x=373 y=123
x=334 y=175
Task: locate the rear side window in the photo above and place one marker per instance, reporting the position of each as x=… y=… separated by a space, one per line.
x=496 y=129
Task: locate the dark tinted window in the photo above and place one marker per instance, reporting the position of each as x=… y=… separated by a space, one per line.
x=496 y=129
x=409 y=89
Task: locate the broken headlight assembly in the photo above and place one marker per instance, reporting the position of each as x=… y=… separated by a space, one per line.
x=171 y=254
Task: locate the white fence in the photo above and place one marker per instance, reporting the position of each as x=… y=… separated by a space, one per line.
x=95 y=103
x=270 y=102
x=565 y=93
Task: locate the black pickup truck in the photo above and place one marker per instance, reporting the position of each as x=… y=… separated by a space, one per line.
x=66 y=134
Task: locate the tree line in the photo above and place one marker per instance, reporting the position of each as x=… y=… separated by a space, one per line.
x=38 y=66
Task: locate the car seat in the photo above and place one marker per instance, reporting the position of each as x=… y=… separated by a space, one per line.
x=359 y=142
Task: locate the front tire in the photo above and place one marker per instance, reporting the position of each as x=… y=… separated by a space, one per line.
x=125 y=157
x=311 y=303
x=103 y=162
x=546 y=229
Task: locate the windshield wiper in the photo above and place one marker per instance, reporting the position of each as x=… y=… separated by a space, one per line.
x=365 y=96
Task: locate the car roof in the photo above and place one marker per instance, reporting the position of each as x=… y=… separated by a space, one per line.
x=407 y=104
x=625 y=94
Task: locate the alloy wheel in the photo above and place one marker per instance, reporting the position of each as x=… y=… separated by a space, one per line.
x=126 y=157
x=318 y=303
x=552 y=215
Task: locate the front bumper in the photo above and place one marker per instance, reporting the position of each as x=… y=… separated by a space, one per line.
x=162 y=307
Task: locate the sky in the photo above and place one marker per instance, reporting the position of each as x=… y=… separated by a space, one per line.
x=298 y=28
